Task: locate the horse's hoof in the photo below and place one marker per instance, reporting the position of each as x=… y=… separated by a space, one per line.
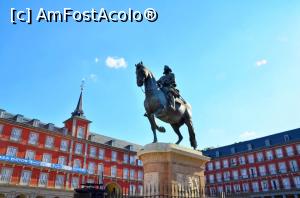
x=161 y=129
x=154 y=141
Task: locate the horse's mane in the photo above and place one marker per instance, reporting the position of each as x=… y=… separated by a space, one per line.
x=141 y=66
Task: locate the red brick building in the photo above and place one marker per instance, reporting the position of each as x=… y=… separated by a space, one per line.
x=263 y=167
x=43 y=160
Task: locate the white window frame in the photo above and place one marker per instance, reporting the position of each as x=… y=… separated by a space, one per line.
x=250 y=158
x=132 y=174
x=260 y=157
x=225 y=163
x=78 y=148
x=100 y=169
x=11 y=151
x=279 y=153
x=91 y=167
x=61 y=160
x=15 y=134
x=80 y=132
x=101 y=154
x=59 y=181
x=293 y=165
x=282 y=167
x=114 y=156
x=132 y=159
x=33 y=138
x=140 y=175
x=47 y=157
x=49 y=142
x=289 y=150
x=77 y=163
x=242 y=160
x=6 y=175
x=269 y=155
x=297 y=181
x=235 y=175
x=286 y=183
x=74 y=182
x=125 y=173
x=93 y=151
x=264 y=185
x=64 y=145
x=43 y=179
x=272 y=169
x=25 y=177
x=125 y=158
x=262 y=170
x=30 y=155
x=210 y=166
x=1 y=128
x=113 y=171
x=217 y=165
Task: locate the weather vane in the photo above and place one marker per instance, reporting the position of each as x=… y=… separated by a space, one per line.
x=82 y=85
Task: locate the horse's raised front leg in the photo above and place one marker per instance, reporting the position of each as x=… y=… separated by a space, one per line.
x=159 y=128
x=177 y=131
x=151 y=119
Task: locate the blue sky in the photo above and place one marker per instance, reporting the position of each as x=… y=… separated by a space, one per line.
x=236 y=62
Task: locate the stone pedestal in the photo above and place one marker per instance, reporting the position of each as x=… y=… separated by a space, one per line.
x=173 y=168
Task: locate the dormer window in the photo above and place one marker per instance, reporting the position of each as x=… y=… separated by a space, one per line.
x=35 y=123
x=249 y=146
x=2 y=112
x=286 y=138
x=232 y=150
x=111 y=142
x=19 y=118
x=50 y=126
x=217 y=154
x=267 y=142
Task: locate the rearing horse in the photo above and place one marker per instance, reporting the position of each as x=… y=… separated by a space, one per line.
x=156 y=105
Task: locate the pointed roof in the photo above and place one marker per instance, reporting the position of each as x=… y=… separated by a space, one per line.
x=78 y=111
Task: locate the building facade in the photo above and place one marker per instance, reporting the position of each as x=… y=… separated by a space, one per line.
x=39 y=160
x=263 y=167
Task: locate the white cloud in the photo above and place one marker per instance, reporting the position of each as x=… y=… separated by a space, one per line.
x=96 y=60
x=115 y=62
x=248 y=135
x=261 y=62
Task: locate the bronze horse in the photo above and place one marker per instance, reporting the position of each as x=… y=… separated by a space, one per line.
x=156 y=105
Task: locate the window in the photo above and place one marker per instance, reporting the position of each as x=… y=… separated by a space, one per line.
x=233 y=162
x=293 y=165
x=30 y=155
x=43 y=180
x=255 y=187
x=245 y=187
x=100 y=169
x=113 y=170
x=25 y=177
x=125 y=173
x=77 y=163
x=279 y=153
x=244 y=173
x=140 y=163
x=46 y=158
x=237 y=188
x=78 y=148
x=269 y=155
x=262 y=170
x=59 y=181
x=11 y=151
x=228 y=189
x=132 y=189
x=232 y=150
x=90 y=180
x=286 y=183
x=61 y=160
x=298 y=148
x=33 y=138
x=113 y=156
x=64 y=145
x=272 y=169
x=212 y=191
x=220 y=189
x=217 y=165
x=125 y=158
x=264 y=185
x=251 y=158
x=132 y=174
x=211 y=179
x=91 y=168
x=289 y=150
x=80 y=132
x=49 y=142
x=249 y=146
x=282 y=167
x=297 y=181
x=210 y=166
x=219 y=177
x=286 y=138
x=140 y=175
x=75 y=182
x=267 y=142
x=275 y=184
x=93 y=151
x=132 y=160
x=5 y=176
x=260 y=157
x=242 y=160
x=226 y=175
x=140 y=190
x=217 y=154
x=225 y=163
x=235 y=175
x=15 y=134
x=101 y=154
x=1 y=128
x=252 y=172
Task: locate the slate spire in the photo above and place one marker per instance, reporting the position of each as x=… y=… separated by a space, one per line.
x=79 y=111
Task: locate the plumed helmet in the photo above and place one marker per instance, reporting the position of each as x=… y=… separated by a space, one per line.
x=167 y=69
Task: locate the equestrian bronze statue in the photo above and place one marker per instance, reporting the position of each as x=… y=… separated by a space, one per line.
x=164 y=102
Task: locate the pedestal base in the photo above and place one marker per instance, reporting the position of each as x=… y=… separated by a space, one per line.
x=172 y=166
